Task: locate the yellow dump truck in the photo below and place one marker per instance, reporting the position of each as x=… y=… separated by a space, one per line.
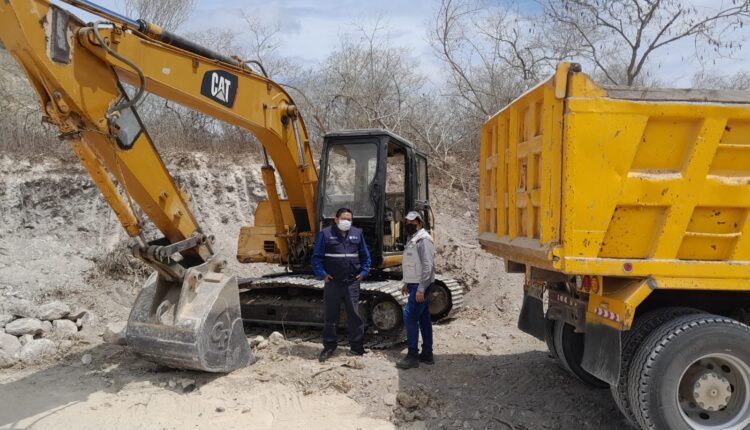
x=628 y=210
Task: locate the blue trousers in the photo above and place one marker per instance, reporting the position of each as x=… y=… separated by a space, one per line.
x=334 y=293
x=417 y=319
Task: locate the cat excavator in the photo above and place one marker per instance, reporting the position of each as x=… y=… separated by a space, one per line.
x=90 y=77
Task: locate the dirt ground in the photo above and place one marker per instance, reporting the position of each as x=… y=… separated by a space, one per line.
x=55 y=232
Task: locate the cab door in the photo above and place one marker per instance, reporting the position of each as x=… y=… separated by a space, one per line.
x=421 y=189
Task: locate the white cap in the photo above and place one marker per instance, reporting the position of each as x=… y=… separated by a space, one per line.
x=411 y=216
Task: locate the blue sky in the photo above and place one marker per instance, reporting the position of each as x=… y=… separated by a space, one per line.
x=311 y=30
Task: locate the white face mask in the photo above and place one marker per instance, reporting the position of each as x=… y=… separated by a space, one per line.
x=344 y=225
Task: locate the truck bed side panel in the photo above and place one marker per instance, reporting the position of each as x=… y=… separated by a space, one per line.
x=576 y=180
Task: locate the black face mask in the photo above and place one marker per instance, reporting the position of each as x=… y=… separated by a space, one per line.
x=411 y=228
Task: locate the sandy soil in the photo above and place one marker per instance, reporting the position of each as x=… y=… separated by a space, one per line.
x=488 y=375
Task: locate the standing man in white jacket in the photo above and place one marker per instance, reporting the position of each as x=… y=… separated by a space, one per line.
x=418 y=275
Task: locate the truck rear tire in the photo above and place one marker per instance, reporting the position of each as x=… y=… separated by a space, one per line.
x=632 y=339
x=569 y=348
x=549 y=337
x=693 y=373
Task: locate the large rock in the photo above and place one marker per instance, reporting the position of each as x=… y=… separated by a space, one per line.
x=64 y=329
x=256 y=341
x=88 y=320
x=47 y=327
x=276 y=338
x=53 y=311
x=25 y=339
x=22 y=308
x=76 y=313
x=7 y=360
x=24 y=326
x=9 y=344
x=5 y=319
x=115 y=333
x=406 y=400
x=37 y=350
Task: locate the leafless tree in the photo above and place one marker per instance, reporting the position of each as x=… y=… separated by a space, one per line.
x=262 y=41
x=21 y=128
x=718 y=81
x=492 y=52
x=168 y=14
x=366 y=82
x=222 y=40
x=257 y=42
x=621 y=37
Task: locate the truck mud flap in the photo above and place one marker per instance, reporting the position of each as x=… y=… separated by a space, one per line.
x=602 y=351
x=531 y=320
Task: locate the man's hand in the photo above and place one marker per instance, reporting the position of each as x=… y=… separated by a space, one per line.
x=404 y=290
x=328 y=278
x=420 y=296
x=358 y=278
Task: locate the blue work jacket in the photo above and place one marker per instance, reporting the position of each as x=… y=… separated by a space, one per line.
x=343 y=256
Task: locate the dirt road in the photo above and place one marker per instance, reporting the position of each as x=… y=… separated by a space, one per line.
x=488 y=374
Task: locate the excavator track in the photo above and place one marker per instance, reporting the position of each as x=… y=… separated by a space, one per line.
x=297 y=300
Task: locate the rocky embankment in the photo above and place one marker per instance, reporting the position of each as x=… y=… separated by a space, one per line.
x=30 y=334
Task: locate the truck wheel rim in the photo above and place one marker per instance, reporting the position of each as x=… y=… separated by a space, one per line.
x=714 y=393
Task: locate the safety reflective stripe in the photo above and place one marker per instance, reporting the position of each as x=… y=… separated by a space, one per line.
x=342 y=255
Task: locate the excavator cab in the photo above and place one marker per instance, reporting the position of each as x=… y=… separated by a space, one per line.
x=380 y=176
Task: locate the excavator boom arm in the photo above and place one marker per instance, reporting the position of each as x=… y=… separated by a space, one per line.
x=78 y=81
x=228 y=92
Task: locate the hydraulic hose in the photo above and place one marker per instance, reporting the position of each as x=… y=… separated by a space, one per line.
x=141 y=78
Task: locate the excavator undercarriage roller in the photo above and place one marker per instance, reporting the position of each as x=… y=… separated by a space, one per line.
x=193 y=325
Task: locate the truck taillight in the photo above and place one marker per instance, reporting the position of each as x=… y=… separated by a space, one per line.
x=586 y=283
x=595 y=284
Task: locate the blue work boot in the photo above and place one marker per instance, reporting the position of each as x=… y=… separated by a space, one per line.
x=426 y=357
x=325 y=354
x=357 y=352
x=409 y=362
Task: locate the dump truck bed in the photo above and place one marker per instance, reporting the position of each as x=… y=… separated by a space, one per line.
x=581 y=178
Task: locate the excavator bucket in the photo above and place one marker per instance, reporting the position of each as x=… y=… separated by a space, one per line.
x=194 y=325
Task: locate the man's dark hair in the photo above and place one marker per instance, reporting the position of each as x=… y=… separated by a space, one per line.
x=343 y=211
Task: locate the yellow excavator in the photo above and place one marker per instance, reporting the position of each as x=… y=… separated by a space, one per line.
x=190 y=314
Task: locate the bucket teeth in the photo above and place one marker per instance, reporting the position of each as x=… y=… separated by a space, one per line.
x=194 y=325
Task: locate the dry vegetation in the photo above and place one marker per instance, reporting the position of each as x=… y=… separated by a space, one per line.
x=119 y=263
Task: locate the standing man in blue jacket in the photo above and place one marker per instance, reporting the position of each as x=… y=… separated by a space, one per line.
x=341 y=258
